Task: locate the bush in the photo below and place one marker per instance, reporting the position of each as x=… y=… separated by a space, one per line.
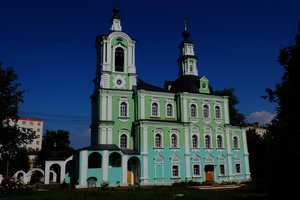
x=9 y=186
x=104 y=185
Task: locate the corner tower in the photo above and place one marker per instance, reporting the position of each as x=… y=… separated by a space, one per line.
x=115 y=58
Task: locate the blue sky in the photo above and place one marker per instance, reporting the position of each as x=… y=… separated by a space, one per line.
x=50 y=44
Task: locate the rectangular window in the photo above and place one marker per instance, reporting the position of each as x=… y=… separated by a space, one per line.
x=196 y=170
x=222 y=169
x=238 y=168
x=175 y=171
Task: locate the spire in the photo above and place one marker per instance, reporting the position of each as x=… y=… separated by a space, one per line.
x=116 y=19
x=185 y=33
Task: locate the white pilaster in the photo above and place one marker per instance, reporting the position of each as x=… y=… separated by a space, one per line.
x=103 y=112
x=103 y=135
x=62 y=172
x=226 y=110
x=145 y=140
x=185 y=114
x=246 y=154
x=47 y=173
x=142 y=106
x=109 y=108
x=187 y=153
x=124 y=169
x=145 y=163
x=229 y=154
x=84 y=167
x=109 y=134
x=105 y=165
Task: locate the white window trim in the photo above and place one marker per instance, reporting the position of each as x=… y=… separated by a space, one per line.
x=209 y=111
x=238 y=142
x=220 y=107
x=125 y=58
x=155 y=100
x=125 y=132
x=190 y=108
x=220 y=169
x=198 y=140
x=222 y=144
x=160 y=132
x=175 y=177
x=193 y=166
x=176 y=133
x=166 y=109
x=123 y=100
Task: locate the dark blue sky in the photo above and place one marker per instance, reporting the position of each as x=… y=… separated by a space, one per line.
x=50 y=44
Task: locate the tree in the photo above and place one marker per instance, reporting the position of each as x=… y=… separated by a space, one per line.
x=283 y=139
x=11 y=138
x=236 y=118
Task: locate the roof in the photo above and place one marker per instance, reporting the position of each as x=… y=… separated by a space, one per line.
x=142 y=85
x=30 y=119
x=186 y=83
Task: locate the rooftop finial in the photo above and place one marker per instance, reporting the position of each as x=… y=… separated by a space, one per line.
x=116 y=10
x=185 y=33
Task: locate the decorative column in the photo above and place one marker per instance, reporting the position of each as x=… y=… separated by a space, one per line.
x=229 y=153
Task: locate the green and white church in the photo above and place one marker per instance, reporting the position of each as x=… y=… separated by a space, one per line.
x=147 y=135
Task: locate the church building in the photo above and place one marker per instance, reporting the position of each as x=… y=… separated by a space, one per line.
x=147 y=135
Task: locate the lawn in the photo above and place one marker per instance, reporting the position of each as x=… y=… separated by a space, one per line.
x=144 y=193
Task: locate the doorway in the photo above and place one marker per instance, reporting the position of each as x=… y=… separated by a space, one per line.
x=133 y=171
x=209 y=172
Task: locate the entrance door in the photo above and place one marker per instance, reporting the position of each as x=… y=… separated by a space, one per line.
x=209 y=172
x=133 y=170
x=129 y=177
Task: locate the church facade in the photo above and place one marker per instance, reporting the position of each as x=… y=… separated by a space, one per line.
x=144 y=134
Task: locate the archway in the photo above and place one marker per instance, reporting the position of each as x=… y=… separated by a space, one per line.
x=209 y=172
x=57 y=169
x=133 y=171
x=91 y=182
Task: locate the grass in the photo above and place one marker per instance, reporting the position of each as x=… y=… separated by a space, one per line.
x=144 y=193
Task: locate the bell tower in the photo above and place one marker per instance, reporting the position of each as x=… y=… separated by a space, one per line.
x=187 y=60
x=115 y=58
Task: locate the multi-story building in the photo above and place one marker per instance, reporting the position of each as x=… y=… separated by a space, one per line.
x=35 y=125
x=259 y=129
x=149 y=135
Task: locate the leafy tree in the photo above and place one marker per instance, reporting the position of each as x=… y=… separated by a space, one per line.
x=236 y=118
x=11 y=138
x=283 y=139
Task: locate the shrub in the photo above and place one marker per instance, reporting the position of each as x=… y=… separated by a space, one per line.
x=9 y=186
x=104 y=185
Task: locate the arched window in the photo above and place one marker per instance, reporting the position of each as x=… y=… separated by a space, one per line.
x=235 y=142
x=158 y=141
x=205 y=111
x=207 y=141
x=119 y=59
x=169 y=110
x=193 y=110
x=195 y=141
x=219 y=141
x=154 y=110
x=94 y=160
x=115 y=160
x=174 y=141
x=123 y=141
x=123 y=109
x=218 y=112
